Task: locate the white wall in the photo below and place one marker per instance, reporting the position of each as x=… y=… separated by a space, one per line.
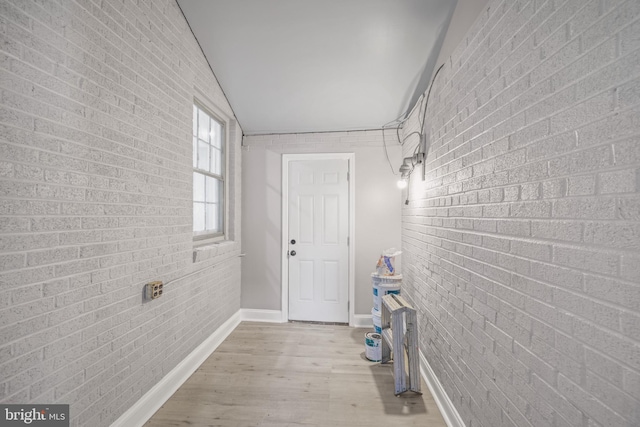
x=522 y=247
x=377 y=209
x=95 y=180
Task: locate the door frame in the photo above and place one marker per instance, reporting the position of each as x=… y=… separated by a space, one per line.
x=286 y=159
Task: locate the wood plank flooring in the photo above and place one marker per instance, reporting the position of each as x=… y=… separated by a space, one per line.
x=294 y=374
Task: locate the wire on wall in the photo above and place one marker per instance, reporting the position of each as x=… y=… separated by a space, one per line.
x=399 y=122
x=386 y=153
x=426 y=104
x=422 y=112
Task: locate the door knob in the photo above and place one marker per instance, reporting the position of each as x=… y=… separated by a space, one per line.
x=293 y=253
x=293 y=241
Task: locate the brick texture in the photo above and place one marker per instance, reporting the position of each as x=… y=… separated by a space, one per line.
x=95 y=181
x=521 y=247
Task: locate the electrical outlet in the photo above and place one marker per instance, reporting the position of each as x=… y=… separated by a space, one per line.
x=154 y=289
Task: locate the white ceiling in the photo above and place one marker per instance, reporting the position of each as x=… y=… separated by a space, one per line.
x=319 y=65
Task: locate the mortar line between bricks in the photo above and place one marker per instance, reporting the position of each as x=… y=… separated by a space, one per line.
x=554 y=156
x=555 y=92
x=89 y=174
x=551 y=263
x=551 y=304
x=542 y=320
x=533 y=31
x=92 y=202
x=143 y=48
x=79 y=88
x=75 y=88
x=531 y=239
x=519 y=219
x=481 y=41
x=99 y=150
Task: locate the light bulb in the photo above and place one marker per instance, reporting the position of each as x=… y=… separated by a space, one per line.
x=402 y=183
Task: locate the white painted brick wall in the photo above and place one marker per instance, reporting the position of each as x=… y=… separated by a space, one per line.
x=95 y=181
x=521 y=249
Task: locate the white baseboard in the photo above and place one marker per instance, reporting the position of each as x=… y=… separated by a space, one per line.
x=362 y=321
x=258 y=315
x=275 y=316
x=152 y=400
x=448 y=411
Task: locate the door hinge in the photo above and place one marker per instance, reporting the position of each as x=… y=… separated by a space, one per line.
x=347 y=240
x=348 y=176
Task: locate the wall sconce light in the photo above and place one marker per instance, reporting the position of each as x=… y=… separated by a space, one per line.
x=420 y=153
x=409 y=163
x=407 y=168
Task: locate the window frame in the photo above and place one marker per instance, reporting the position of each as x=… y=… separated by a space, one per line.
x=207 y=236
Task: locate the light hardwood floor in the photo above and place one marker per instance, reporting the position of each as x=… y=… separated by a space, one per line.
x=294 y=374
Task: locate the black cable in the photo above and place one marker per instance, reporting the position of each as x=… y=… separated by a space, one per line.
x=423 y=101
x=402 y=141
x=384 y=144
x=420 y=132
x=406 y=201
x=426 y=104
x=415 y=132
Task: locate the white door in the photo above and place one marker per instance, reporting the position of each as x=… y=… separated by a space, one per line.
x=318 y=253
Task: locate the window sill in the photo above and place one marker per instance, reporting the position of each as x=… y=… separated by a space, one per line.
x=206 y=250
x=208 y=240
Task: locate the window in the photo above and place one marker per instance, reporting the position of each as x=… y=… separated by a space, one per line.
x=208 y=175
